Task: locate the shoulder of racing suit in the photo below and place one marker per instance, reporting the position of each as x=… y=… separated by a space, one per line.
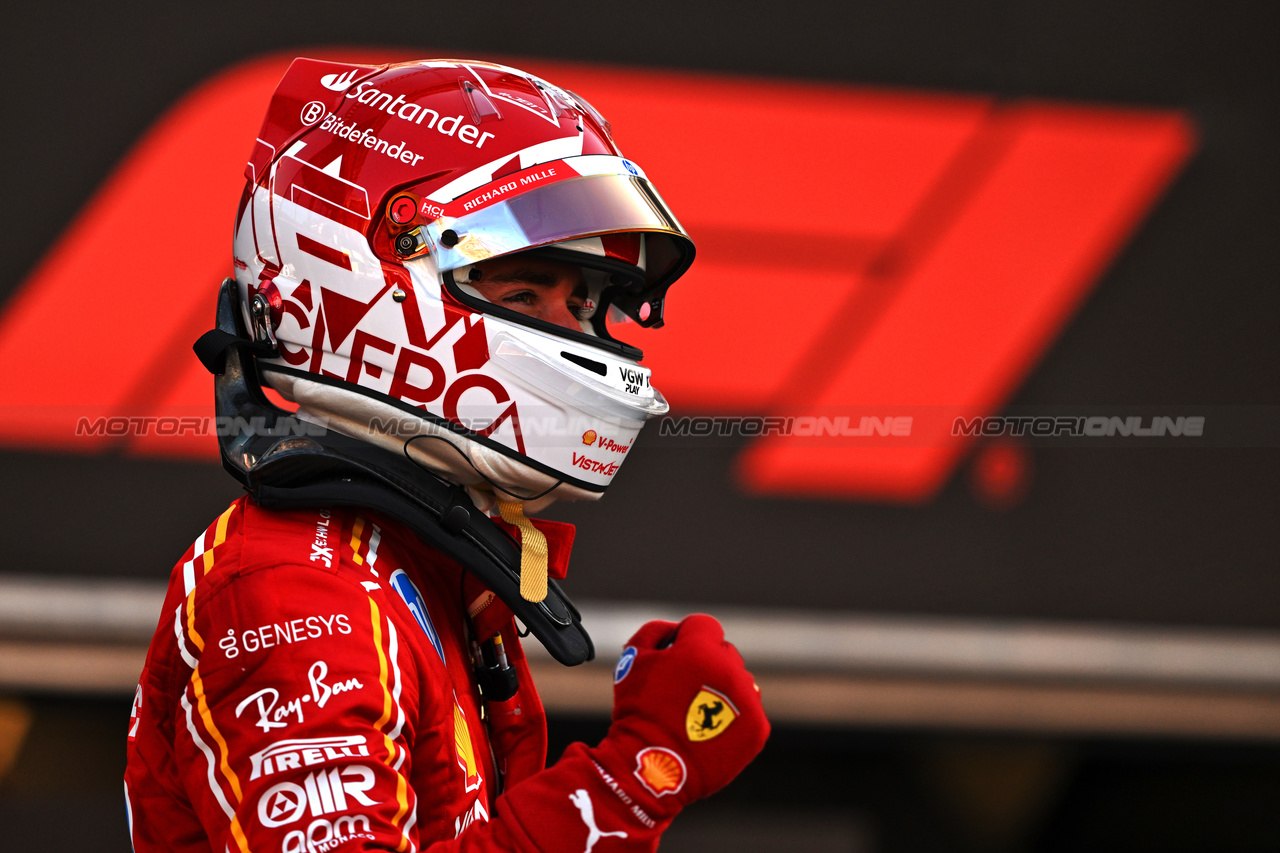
x=307 y=685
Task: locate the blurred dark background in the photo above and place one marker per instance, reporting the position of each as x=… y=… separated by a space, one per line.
x=1185 y=316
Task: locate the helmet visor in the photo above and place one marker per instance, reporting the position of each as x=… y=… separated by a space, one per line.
x=578 y=206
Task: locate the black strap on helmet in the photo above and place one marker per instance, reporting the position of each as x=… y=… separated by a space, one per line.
x=286 y=463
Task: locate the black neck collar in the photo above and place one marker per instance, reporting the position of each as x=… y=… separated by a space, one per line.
x=286 y=463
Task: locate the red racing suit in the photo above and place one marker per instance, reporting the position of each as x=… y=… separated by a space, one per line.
x=310 y=688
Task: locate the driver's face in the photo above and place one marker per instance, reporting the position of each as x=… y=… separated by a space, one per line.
x=547 y=290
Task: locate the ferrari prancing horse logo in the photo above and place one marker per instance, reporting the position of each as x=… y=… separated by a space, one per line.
x=710 y=713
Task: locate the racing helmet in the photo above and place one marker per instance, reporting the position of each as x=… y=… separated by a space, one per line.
x=385 y=211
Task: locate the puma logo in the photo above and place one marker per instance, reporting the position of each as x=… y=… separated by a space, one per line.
x=582 y=800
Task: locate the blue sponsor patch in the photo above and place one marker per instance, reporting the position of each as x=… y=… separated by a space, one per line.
x=624 y=664
x=400 y=583
x=631 y=167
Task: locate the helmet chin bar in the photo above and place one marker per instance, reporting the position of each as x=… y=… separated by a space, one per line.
x=286 y=463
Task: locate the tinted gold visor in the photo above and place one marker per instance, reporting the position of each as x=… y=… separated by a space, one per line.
x=564 y=210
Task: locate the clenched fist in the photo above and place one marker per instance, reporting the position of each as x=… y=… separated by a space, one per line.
x=686 y=720
x=687 y=716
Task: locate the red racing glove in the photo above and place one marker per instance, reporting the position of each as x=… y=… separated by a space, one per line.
x=687 y=716
x=686 y=720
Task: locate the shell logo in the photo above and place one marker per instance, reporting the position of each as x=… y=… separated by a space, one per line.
x=466 y=753
x=589 y=437
x=660 y=770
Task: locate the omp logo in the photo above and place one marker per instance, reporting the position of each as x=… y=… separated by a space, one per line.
x=947 y=242
x=322 y=791
x=340 y=82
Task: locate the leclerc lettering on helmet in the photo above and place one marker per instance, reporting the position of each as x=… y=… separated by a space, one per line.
x=376 y=198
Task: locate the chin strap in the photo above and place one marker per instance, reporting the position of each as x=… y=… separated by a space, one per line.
x=533 y=551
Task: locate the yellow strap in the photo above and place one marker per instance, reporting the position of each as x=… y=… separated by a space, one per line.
x=533 y=552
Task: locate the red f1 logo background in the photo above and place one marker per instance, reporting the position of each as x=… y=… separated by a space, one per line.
x=856 y=248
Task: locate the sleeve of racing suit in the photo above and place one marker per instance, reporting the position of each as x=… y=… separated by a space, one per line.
x=294 y=727
x=564 y=808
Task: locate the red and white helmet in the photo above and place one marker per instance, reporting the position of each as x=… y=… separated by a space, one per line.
x=372 y=194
